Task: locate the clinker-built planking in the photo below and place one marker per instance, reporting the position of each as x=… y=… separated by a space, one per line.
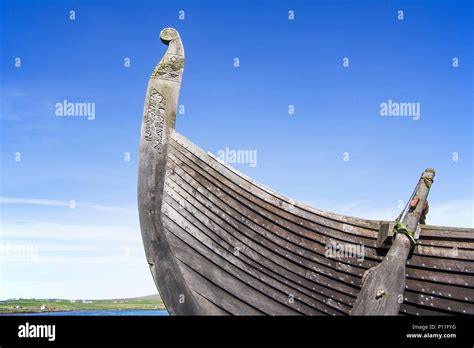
x=218 y=242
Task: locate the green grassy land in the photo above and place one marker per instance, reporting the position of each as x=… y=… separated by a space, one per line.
x=52 y=305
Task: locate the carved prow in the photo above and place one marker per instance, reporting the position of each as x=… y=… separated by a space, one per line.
x=171 y=66
x=159 y=118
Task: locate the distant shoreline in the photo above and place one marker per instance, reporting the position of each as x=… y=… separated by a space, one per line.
x=77 y=310
x=20 y=306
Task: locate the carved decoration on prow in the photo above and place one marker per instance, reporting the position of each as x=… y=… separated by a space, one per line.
x=171 y=65
x=155 y=118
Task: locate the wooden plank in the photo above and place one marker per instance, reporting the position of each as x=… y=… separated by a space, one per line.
x=442 y=290
x=446 y=243
x=435 y=303
x=415 y=310
x=205 y=290
x=452 y=254
x=442 y=264
x=210 y=307
x=466 y=234
x=447 y=278
x=205 y=287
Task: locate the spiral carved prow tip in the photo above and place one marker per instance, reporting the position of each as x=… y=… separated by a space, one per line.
x=171 y=64
x=168 y=34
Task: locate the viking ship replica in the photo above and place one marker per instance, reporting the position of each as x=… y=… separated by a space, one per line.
x=219 y=243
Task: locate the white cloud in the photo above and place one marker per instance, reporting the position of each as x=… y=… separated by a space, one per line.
x=43 y=258
x=32 y=201
x=103 y=261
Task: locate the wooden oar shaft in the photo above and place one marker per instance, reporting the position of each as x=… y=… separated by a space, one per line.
x=384 y=285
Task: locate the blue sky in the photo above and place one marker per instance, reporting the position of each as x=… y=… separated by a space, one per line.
x=94 y=250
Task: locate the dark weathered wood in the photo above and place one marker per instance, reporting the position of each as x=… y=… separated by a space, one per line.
x=432 y=301
x=454 y=278
x=446 y=242
x=415 y=310
x=457 y=233
x=453 y=253
x=450 y=291
x=384 y=284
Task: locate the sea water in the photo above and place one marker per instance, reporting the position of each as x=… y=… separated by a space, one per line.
x=137 y=312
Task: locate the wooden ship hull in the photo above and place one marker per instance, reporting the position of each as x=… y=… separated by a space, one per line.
x=219 y=243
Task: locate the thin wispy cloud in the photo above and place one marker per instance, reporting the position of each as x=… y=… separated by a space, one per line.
x=102 y=256
x=457 y=213
x=41 y=251
x=82 y=251
x=76 y=204
x=32 y=201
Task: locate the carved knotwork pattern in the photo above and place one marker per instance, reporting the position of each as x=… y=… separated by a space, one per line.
x=169 y=68
x=155 y=118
